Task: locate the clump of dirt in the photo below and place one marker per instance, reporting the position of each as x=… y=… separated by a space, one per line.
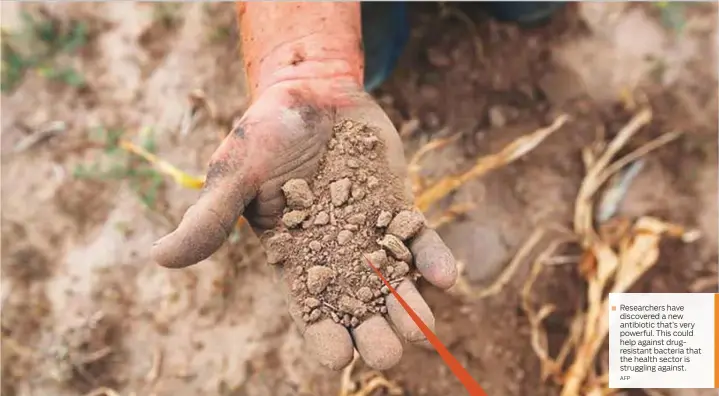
x=354 y=207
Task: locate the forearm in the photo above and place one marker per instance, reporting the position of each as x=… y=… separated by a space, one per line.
x=300 y=41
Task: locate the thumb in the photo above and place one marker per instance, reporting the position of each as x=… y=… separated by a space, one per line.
x=203 y=229
x=207 y=224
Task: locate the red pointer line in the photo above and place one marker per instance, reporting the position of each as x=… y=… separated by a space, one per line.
x=460 y=372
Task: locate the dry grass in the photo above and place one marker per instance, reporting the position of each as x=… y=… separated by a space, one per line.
x=616 y=255
x=365 y=384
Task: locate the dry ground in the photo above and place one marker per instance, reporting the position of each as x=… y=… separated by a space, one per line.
x=83 y=306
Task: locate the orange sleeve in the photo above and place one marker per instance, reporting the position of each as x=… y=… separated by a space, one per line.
x=300 y=41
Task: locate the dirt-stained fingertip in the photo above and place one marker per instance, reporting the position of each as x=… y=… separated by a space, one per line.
x=377 y=343
x=433 y=259
x=404 y=324
x=330 y=343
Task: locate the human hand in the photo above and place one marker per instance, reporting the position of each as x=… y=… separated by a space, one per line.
x=281 y=137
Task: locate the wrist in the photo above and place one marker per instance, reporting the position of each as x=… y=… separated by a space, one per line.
x=317 y=46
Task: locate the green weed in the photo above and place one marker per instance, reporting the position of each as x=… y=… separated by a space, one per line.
x=118 y=164
x=36 y=46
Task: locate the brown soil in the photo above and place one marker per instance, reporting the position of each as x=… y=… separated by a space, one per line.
x=332 y=223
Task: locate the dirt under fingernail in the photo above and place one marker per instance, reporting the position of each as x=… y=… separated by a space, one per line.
x=338 y=218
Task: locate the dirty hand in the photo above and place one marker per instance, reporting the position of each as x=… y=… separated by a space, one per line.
x=282 y=136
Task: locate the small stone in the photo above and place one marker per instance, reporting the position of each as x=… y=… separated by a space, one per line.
x=383 y=310
x=496 y=117
x=326 y=238
x=340 y=191
x=335 y=317
x=380 y=300
x=372 y=156
x=318 y=277
x=306 y=310
x=396 y=248
x=364 y=294
x=312 y=302
x=314 y=315
x=383 y=219
x=376 y=293
x=401 y=268
x=299 y=270
x=298 y=194
x=351 y=306
x=294 y=218
x=344 y=236
x=306 y=224
x=357 y=192
x=357 y=219
x=352 y=163
x=378 y=258
x=351 y=227
x=315 y=246
x=276 y=247
x=354 y=322
x=370 y=141
x=346 y=320
x=384 y=290
x=348 y=210
x=306 y=317
x=297 y=285
x=333 y=220
x=406 y=224
x=372 y=182
x=322 y=218
x=389 y=270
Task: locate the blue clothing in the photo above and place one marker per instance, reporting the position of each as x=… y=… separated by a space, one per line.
x=385 y=31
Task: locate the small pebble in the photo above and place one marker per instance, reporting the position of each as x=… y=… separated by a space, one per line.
x=369 y=142
x=306 y=317
x=376 y=293
x=340 y=191
x=383 y=219
x=354 y=322
x=315 y=315
x=389 y=270
x=384 y=290
x=352 y=163
x=372 y=182
x=401 y=268
x=357 y=219
x=322 y=218
x=378 y=258
x=364 y=294
x=312 y=302
x=318 y=277
x=297 y=285
x=294 y=218
x=406 y=224
x=315 y=246
x=346 y=320
x=357 y=192
x=276 y=247
x=351 y=227
x=326 y=238
x=383 y=310
x=334 y=317
x=396 y=248
x=298 y=194
x=351 y=306
x=344 y=236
